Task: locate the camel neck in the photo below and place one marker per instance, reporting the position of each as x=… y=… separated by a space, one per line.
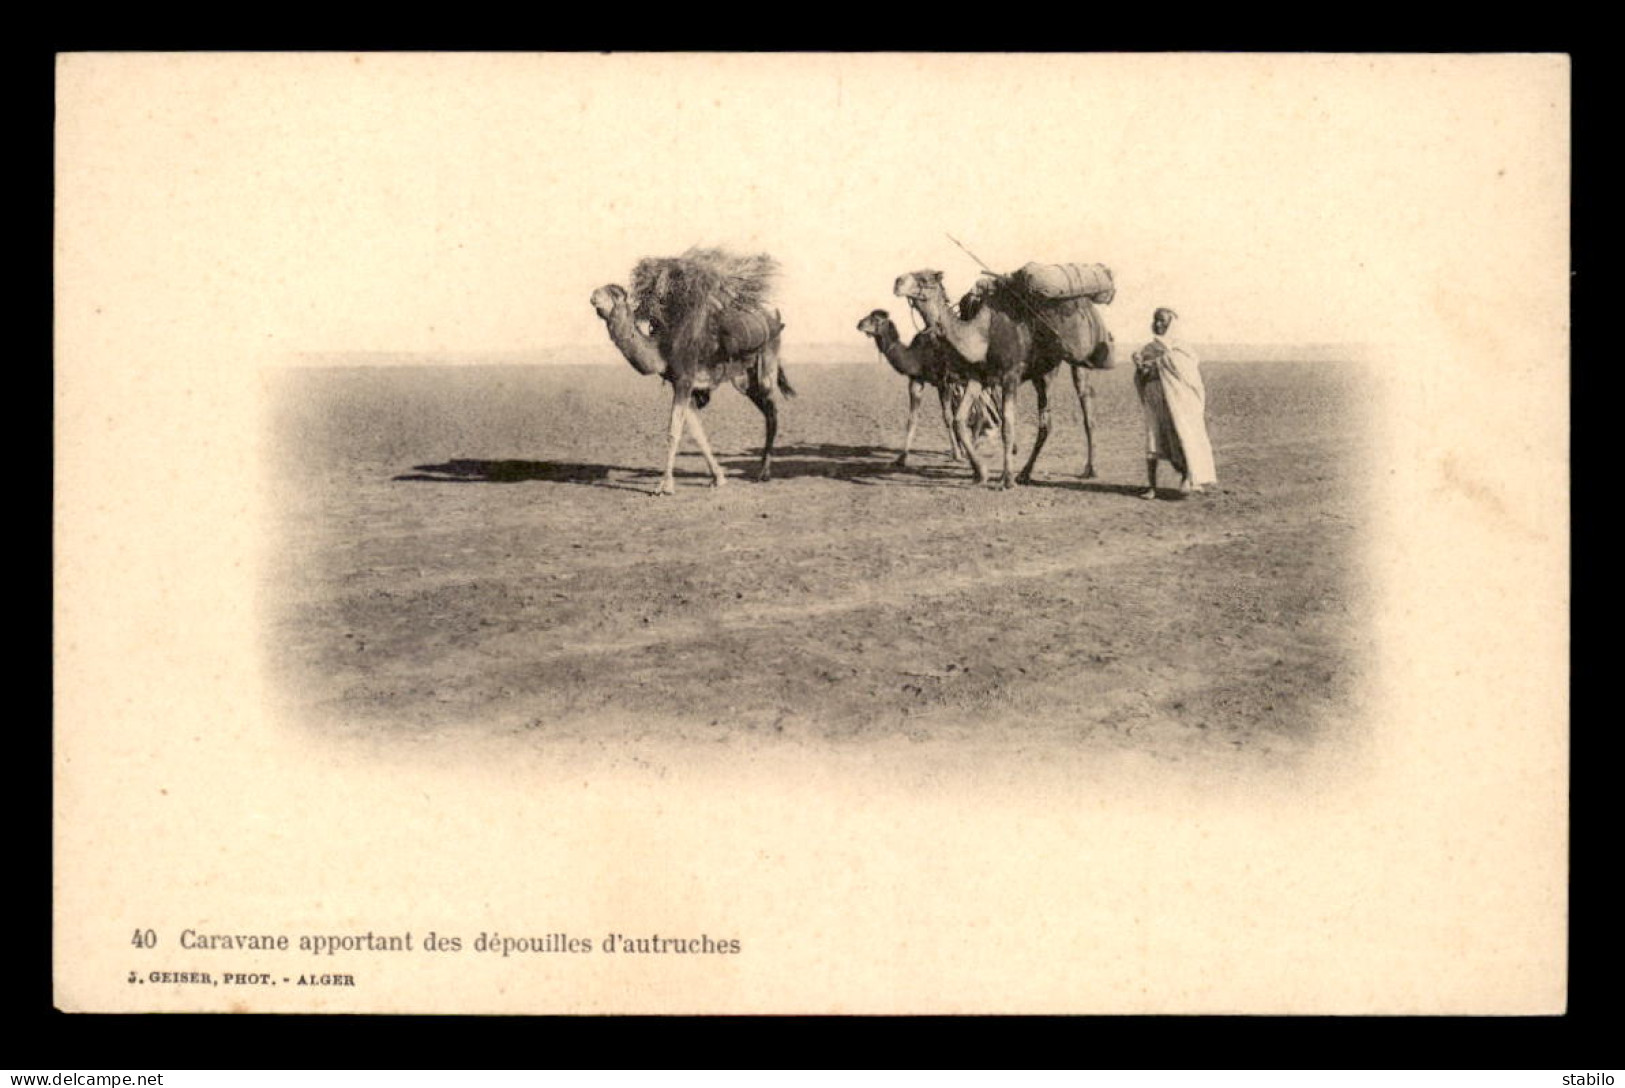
x=639 y=350
x=891 y=346
x=969 y=338
x=935 y=310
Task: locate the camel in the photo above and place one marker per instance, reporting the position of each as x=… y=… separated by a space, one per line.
x=744 y=352
x=925 y=361
x=1001 y=342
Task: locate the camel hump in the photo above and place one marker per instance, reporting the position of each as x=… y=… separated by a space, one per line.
x=1079 y=332
x=742 y=331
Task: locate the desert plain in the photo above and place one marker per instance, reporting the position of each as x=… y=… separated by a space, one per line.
x=475 y=551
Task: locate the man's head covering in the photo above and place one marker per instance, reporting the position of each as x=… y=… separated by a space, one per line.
x=1163 y=310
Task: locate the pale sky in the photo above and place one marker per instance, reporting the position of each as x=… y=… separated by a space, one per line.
x=423 y=203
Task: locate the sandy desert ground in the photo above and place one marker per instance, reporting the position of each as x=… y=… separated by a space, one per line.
x=473 y=551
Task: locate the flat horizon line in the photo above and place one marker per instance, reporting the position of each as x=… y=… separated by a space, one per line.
x=806 y=353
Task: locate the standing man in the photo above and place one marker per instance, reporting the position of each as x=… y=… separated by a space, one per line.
x=1168 y=377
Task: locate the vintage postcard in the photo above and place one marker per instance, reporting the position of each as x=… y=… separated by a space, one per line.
x=885 y=533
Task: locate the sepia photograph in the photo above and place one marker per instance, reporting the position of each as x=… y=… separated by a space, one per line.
x=811 y=533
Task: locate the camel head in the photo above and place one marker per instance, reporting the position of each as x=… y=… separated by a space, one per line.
x=921 y=285
x=875 y=323
x=607 y=298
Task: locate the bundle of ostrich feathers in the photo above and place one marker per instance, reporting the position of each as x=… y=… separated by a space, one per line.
x=680 y=297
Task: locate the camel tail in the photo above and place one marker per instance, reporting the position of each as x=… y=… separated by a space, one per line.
x=784 y=383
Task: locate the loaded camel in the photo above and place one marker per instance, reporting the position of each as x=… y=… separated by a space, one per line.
x=926 y=361
x=1009 y=339
x=740 y=347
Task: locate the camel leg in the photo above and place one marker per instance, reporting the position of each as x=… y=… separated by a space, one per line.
x=916 y=389
x=718 y=478
x=1041 y=387
x=1086 y=401
x=762 y=397
x=772 y=384
x=973 y=389
x=1007 y=428
x=991 y=416
x=679 y=419
x=945 y=396
x=990 y=410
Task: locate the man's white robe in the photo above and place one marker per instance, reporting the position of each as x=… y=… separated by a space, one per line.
x=1175 y=403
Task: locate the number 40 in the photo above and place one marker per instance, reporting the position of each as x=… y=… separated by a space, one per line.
x=144 y=938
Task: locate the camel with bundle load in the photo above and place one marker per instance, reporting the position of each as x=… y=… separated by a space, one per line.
x=708 y=326
x=1013 y=330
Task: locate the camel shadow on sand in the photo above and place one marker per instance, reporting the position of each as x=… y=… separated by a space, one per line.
x=863 y=465
x=867 y=465
x=466 y=471
x=873 y=466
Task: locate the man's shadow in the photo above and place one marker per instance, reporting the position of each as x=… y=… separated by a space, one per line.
x=1098 y=487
